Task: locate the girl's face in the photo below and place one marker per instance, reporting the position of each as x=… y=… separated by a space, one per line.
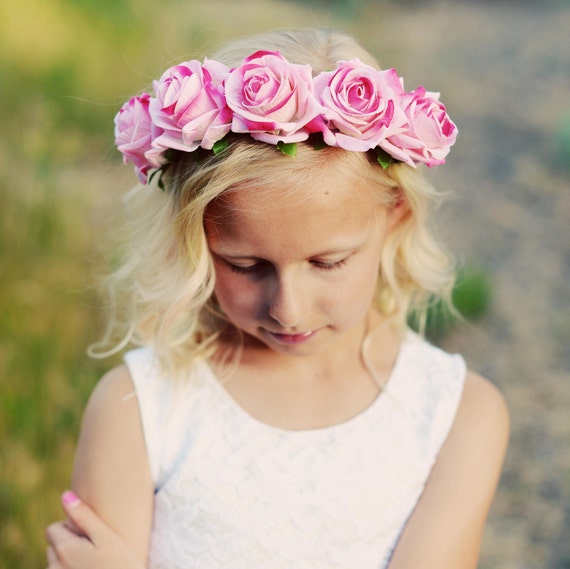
x=296 y=270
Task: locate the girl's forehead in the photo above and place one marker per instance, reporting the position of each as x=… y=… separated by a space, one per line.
x=270 y=201
x=318 y=187
x=283 y=218
x=296 y=226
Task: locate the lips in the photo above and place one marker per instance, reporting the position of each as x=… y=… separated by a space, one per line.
x=292 y=338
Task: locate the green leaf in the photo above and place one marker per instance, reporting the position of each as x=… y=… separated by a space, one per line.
x=158 y=173
x=220 y=145
x=319 y=143
x=384 y=159
x=289 y=148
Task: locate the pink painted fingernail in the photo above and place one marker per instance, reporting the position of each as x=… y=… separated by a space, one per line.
x=69 y=498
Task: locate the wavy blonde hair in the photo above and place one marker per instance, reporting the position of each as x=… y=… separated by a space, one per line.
x=163 y=293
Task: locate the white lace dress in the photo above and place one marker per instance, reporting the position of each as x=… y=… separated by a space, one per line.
x=235 y=493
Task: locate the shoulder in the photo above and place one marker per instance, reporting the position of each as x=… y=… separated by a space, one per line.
x=112 y=412
x=447 y=524
x=111 y=389
x=112 y=403
x=111 y=432
x=432 y=362
x=475 y=399
x=482 y=414
x=476 y=444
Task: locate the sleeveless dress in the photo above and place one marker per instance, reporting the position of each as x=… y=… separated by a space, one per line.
x=234 y=493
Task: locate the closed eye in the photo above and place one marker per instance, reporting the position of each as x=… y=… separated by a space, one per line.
x=254 y=269
x=330 y=266
x=259 y=268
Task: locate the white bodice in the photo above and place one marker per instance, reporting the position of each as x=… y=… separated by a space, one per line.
x=235 y=493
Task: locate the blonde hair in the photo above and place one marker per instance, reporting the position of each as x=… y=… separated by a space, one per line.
x=163 y=293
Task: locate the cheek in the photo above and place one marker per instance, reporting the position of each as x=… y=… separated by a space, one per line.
x=361 y=286
x=234 y=295
x=351 y=295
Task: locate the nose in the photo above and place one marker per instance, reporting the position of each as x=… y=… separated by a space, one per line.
x=286 y=302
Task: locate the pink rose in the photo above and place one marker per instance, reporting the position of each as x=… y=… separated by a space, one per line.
x=272 y=99
x=190 y=107
x=361 y=105
x=430 y=132
x=133 y=133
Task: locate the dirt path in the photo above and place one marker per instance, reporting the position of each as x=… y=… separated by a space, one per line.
x=505 y=70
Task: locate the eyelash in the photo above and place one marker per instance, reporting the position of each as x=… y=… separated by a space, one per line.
x=252 y=269
x=330 y=266
x=244 y=270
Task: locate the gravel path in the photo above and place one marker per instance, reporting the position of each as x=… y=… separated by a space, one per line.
x=504 y=69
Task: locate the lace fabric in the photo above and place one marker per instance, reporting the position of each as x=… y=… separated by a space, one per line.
x=233 y=492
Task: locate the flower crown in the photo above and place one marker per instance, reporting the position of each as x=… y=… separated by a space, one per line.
x=354 y=107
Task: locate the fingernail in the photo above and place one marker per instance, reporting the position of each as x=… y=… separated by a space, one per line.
x=69 y=498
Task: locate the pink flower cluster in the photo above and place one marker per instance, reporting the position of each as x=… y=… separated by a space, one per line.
x=355 y=107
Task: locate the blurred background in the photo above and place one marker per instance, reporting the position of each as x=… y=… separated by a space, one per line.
x=503 y=67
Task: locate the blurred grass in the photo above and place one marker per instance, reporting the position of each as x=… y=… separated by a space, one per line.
x=60 y=92
x=46 y=320
x=55 y=93
x=44 y=327
x=471 y=298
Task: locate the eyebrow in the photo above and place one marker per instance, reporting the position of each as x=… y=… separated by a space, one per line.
x=239 y=255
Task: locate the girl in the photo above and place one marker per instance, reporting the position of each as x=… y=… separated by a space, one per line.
x=279 y=413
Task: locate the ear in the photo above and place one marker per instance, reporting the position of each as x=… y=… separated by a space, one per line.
x=400 y=208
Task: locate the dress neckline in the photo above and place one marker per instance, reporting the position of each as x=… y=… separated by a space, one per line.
x=387 y=387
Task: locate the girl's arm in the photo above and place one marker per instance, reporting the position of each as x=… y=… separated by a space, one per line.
x=446 y=527
x=112 y=475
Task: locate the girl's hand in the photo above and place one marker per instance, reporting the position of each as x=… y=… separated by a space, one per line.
x=85 y=542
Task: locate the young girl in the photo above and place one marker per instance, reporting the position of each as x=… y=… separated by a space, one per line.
x=278 y=412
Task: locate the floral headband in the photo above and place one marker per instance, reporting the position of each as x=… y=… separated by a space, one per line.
x=354 y=107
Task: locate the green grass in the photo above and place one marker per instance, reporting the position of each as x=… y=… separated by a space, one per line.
x=471 y=298
x=46 y=320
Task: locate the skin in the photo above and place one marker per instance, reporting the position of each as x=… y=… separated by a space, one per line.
x=296 y=274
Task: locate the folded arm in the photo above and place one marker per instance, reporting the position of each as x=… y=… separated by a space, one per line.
x=112 y=476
